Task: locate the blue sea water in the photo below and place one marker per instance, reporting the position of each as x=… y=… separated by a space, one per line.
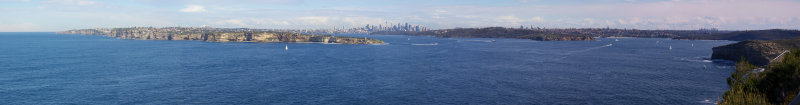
x=45 y=68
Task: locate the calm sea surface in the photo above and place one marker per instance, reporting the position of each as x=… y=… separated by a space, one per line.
x=45 y=68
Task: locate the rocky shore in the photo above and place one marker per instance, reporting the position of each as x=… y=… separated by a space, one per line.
x=217 y=35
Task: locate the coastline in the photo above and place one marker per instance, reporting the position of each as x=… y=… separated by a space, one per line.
x=217 y=35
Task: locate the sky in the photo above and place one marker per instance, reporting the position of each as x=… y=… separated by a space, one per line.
x=58 y=15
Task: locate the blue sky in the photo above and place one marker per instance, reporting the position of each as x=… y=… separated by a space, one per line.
x=56 y=15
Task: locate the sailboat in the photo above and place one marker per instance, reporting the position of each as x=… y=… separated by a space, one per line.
x=670 y=47
x=287 y=47
x=692 y=44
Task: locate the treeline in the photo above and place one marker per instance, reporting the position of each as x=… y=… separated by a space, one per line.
x=217 y=35
x=525 y=33
x=773 y=34
x=777 y=84
x=496 y=32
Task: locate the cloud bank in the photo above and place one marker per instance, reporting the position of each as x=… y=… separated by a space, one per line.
x=54 y=15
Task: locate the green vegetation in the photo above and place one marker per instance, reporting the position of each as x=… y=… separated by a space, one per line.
x=500 y=32
x=788 y=43
x=774 y=34
x=778 y=84
x=218 y=35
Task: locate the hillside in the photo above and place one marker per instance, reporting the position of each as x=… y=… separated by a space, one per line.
x=217 y=35
x=498 y=32
x=774 y=34
x=778 y=84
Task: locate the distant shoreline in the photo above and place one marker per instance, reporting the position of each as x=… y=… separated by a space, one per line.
x=217 y=35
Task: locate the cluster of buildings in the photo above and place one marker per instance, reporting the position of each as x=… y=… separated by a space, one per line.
x=369 y=28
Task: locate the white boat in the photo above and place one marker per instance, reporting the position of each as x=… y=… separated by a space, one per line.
x=616 y=40
x=670 y=47
x=287 y=47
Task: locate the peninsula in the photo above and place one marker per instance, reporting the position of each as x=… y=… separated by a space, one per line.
x=217 y=35
x=759 y=47
x=495 y=32
x=549 y=34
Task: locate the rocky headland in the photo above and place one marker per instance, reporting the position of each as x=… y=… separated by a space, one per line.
x=758 y=47
x=772 y=34
x=757 y=52
x=217 y=35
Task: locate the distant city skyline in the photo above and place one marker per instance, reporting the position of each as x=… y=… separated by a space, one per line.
x=58 y=15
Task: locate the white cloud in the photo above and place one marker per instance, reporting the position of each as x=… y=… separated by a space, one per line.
x=236 y=22
x=24 y=27
x=514 y=20
x=86 y=2
x=537 y=19
x=70 y=2
x=194 y=9
x=525 y=1
x=588 y=21
x=314 y=20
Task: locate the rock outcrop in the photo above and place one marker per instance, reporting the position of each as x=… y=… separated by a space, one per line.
x=217 y=35
x=757 y=52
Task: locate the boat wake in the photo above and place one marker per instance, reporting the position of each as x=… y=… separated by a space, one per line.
x=419 y=44
x=584 y=50
x=703 y=59
x=487 y=41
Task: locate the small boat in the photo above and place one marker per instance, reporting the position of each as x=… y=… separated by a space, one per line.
x=692 y=44
x=287 y=47
x=493 y=41
x=616 y=40
x=670 y=47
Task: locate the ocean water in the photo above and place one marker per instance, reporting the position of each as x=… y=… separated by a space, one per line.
x=45 y=68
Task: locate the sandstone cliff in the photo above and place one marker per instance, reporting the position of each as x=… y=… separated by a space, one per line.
x=217 y=35
x=757 y=52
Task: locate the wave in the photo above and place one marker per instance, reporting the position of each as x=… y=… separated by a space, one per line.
x=708 y=102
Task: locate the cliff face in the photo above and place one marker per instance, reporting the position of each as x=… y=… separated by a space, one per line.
x=218 y=36
x=755 y=51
